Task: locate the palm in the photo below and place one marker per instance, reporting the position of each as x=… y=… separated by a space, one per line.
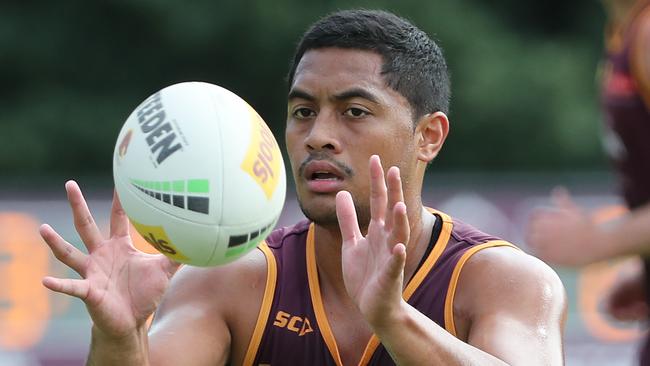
x=124 y=287
x=373 y=266
x=121 y=286
x=366 y=270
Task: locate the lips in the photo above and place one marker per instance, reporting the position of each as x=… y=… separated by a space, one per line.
x=322 y=170
x=323 y=177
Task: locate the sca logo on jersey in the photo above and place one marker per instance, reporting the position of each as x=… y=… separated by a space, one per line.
x=159 y=133
x=295 y=324
x=262 y=160
x=157 y=237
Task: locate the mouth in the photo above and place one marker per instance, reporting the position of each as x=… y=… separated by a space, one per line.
x=321 y=170
x=323 y=177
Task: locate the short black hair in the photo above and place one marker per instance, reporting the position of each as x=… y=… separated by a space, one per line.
x=414 y=65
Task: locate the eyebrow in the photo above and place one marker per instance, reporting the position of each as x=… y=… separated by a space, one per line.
x=300 y=94
x=347 y=94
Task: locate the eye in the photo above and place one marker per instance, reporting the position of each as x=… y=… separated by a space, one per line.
x=356 y=112
x=303 y=112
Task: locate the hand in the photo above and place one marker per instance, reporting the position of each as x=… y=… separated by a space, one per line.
x=565 y=235
x=373 y=266
x=627 y=300
x=121 y=286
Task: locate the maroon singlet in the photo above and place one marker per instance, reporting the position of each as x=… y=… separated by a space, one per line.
x=292 y=328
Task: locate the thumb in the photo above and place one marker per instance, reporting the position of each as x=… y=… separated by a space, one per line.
x=561 y=198
x=169 y=266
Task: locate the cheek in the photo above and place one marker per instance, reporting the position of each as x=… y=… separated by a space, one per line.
x=292 y=142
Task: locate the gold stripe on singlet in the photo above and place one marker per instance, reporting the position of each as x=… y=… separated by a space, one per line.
x=265 y=308
x=450 y=326
x=317 y=300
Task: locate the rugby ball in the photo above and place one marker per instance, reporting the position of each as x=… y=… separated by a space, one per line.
x=199 y=174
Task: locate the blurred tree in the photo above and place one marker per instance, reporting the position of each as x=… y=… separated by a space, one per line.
x=523 y=91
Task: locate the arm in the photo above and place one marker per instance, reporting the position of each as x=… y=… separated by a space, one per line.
x=189 y=327
x=509 y=308
x=629 y=235
x=567 y=235
x=413 y=339
x=208 y=315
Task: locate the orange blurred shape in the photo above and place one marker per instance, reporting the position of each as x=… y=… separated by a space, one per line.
x=595 y=282
x=609 y=213
x=24 y=302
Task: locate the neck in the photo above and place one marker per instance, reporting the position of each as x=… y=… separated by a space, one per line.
x=328 y=249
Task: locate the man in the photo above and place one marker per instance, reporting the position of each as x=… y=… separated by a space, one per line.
x=567 y=235
x=372 y=278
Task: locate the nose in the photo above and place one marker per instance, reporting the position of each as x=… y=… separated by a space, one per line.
x=323 y=135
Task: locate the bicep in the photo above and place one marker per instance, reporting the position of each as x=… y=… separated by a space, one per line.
x=518 y=340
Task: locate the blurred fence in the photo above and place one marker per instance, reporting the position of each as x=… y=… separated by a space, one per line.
x=41 y=328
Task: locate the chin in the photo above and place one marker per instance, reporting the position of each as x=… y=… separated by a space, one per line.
x=324 y=213
x=320 y=214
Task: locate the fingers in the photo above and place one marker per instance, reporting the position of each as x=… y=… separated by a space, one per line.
x=347 y=217
x=83 y=220
x=119 y=220
x=562 y=199
x=395 y=193
x=378 y=196
x=64 y=251
x=76 y=288
x=401 y=230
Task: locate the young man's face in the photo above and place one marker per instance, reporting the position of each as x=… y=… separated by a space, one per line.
x=340 y=112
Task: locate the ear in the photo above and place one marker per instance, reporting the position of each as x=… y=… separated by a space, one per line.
x=431 y=132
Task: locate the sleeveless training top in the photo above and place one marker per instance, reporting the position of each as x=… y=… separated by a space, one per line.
x=292 y=327
x=627 y=117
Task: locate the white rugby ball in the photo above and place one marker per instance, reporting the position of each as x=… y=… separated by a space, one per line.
x=199 y=174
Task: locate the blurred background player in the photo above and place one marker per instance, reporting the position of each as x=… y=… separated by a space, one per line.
x=568 y=235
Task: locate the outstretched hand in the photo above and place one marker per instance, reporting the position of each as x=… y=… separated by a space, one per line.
x=120 y=285
x=566 y=234
x=373 y=266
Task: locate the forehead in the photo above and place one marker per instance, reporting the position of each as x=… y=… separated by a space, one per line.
x=338 y=68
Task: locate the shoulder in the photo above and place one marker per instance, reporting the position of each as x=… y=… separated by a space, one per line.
x=508 y=281
x=286 y=234
x=505 y=265
x=217 y=287
x=512 y=306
